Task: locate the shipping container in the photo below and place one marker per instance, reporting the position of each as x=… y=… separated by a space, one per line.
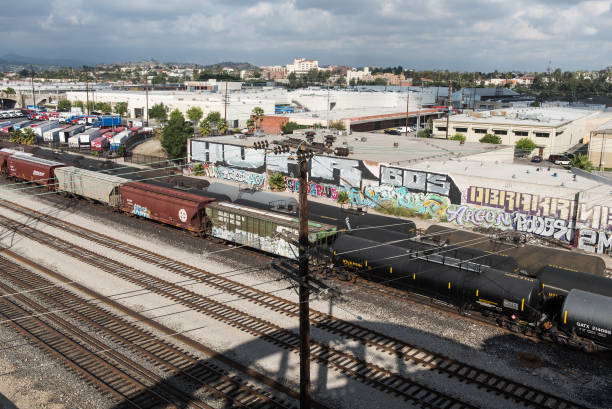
x=23 y=124
x=45 y=126
x=107 y=120
x=169 y=206
x=65 y=134
x=73 y=141
x=99 y=144
x=89 y=135
x=119 y=140
x=97 y=186
x=52 y=135
x=263 y=230
x=41 y=171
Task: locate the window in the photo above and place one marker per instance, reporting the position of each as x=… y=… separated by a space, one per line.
x=477 y=130
x=441 y=128
x=461 y=129
x=542 y=134
x=500 y=132
x=521 y=133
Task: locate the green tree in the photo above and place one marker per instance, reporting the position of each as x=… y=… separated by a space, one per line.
x=425 y=133
x=64 y=105
x=582 y=162
x=277 y=181
x=194 y=114
x=159 y=112
x=250 y=124
x=121 y=108
x=289 y=127
x=198 y=169
x=258 y=114
x=205 y=128
x=104 y=107
x=525 y=145
x=16 y=136
x=176 y=133
x=490 y=138
x=458 y=137
x=78 y=104
x=10 y=91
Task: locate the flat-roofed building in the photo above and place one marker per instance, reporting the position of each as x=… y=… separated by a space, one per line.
x=554 y=130
x=600 y=146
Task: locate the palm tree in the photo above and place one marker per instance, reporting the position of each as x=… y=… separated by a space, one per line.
x=582 y=162
x=258 y=114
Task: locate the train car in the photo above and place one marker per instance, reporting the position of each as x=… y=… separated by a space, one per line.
x=169 y=206
x=558 y=282
x=588 y=315
x=406 y=241
x=96 y=186
x=463 y=283
x=31 y=168
x=263 y=230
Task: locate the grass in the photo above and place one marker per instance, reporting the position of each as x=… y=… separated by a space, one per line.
x=389 y=209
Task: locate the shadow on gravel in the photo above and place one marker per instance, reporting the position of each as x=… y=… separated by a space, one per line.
x=5 y=403
x=562 y=372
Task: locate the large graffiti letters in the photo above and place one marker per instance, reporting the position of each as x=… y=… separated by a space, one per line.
x=420 y=182
x=595 y=241
x=544 y=226
x=473 y=216
x=236 y=175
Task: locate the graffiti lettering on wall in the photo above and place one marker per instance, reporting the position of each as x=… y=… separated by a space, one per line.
x=314 y=189
x=236 y=175
x=559 y=229
x=431 y=204
x=474 y=216
x=419 y=181
x=595 y=241
x=596 y=217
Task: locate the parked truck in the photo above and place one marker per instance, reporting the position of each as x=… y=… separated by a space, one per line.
x=41 y=128
x=67 y=133
x=107 y=120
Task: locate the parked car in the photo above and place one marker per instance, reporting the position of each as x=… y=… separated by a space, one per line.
x=559 y=159
x=392 y=132
x=570 y=156
x=537 y=159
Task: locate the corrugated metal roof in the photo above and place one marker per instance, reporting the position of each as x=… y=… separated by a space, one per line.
x=33 y=159
x=93 y=175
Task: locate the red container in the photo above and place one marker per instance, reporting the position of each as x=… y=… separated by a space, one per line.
x=170 y=206
x=99 y=144
x=34 y=169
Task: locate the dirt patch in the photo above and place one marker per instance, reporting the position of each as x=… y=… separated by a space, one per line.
x=151 y=147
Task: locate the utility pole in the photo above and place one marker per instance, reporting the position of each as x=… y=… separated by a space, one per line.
x=32 y=81
x=407 y=104
x=87 y=89
x=603 y=151
x=147 y=96
x=304 y=291
x=225 y=102
x=449 y=108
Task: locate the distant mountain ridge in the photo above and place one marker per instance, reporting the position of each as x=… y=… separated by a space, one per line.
x=21 y=60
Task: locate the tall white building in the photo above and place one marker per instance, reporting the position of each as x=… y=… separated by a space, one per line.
x=302 y=66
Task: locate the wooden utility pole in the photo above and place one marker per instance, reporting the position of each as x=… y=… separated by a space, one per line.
x=407 y=104
x=450 y=104
x=32 y=81
x=304 y=291
x=87 y=89
x=147 y=97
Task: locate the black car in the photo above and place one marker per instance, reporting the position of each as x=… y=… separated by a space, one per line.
x=570 y=156
x=537 y=159
x=392 y=132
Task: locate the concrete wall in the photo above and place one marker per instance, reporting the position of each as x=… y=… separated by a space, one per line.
x=601 y=143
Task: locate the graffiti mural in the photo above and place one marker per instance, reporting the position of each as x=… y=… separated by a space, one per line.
x=599 y=242
x=559 y=229
x=224 y=154
x=420 y=182
x=465 y=215
x=314 y=189
x=236 y=175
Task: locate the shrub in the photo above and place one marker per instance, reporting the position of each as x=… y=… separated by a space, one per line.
x=343 y=197
x=458 y=137
x=425 y=133
x=198 y=169
x=490 y=138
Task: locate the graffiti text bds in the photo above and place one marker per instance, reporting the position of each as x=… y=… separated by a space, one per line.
x=415 y=180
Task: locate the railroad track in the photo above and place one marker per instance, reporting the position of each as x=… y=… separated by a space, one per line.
x=344 y=363
x=499 y=385
x=181 y=366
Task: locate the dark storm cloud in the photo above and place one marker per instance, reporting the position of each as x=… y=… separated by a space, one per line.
x=459 y=34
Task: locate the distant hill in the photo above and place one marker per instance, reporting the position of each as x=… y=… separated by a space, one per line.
x=14 y=60
x=238 y=66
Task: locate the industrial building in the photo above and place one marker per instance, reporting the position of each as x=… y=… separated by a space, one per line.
x=554 y=130
x=600 y=146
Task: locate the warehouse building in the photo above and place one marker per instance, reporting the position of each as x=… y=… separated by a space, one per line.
x=600 y=146
x=554 y=130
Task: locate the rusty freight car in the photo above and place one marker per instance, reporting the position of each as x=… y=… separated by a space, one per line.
x=169 y=206
x=31 y=168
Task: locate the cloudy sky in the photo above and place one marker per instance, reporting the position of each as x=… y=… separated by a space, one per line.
x=432 y=34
